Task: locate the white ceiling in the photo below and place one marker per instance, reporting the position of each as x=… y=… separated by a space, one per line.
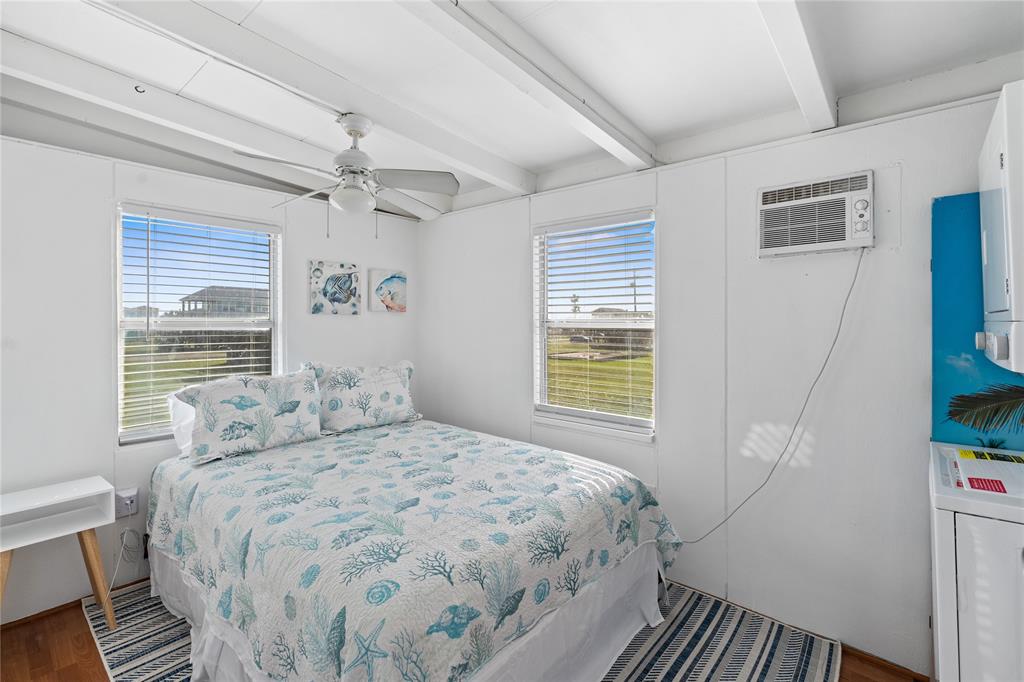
x=663 y=70
x=658 y=62
x=865 y=45
x=390 y=52
x=102 y=39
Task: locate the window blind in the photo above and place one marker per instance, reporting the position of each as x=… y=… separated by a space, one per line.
x=196 y=303
x=595 y=321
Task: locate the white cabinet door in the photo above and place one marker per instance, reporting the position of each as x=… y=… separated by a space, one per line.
x=995 y=222
x=990 y=599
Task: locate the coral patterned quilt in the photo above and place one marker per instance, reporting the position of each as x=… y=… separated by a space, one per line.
x=406 y=552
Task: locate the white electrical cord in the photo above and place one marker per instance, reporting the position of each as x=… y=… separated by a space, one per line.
x=129 y=552
x=803 y=408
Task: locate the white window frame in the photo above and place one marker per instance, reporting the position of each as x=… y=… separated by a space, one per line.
x=590 y=420
x=228 y=324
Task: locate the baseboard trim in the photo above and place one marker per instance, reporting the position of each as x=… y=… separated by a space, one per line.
x=77 y=603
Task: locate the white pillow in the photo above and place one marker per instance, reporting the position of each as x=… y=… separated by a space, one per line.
x=353 y=398
x=183 y=418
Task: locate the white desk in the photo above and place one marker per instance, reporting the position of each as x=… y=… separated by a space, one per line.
x=35 y=515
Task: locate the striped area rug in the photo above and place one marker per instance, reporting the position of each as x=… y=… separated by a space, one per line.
x=148 y=644
x=702 y=639
x=705 y=638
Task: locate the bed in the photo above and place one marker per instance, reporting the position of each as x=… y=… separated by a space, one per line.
x=417 y=551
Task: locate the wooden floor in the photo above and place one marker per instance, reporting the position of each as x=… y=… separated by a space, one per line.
x=51 y=646
x=861 y=667
x=56 y=645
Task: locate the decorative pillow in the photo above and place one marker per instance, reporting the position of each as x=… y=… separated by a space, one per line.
x=244 y=414
x=362 y=397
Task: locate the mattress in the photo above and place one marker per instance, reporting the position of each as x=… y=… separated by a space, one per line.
x=414 y=551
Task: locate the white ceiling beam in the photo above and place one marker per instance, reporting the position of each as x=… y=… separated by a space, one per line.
x=222 y=39
x=49 y=80
x=197 y=125
x=164 y=142
x=811 y=86
x=179 y=145
x=122 y=136
x=498 y=42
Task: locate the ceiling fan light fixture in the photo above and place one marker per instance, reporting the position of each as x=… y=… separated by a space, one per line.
x=360 y=182
x=352 y=199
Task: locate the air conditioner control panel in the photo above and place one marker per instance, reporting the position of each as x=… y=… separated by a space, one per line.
x=861 y=216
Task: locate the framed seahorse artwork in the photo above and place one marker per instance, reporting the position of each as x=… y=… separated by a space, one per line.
x=333 y=288
x=387 y=290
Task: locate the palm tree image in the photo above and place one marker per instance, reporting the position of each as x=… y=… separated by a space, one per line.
x=995 y=407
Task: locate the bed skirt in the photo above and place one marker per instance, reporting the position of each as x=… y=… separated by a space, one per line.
x=578 y=641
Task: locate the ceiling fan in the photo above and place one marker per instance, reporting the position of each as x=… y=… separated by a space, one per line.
x=359 y=184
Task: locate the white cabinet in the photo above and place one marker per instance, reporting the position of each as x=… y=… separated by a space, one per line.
x=977 y=566
x=1001 y=184
x=990 y=598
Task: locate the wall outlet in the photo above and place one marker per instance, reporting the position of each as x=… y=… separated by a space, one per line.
x=126 y=502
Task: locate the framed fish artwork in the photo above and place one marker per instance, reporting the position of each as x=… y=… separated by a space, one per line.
x=333 y=288
x=387 y=291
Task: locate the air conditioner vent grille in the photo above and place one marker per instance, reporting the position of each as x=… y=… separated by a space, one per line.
x=814 y=223
x=854 y=183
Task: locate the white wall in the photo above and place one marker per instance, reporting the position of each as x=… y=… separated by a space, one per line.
x=838 y=542
x=475 y=320
x=57 y=369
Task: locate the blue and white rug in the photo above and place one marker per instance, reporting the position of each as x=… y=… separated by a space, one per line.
x=702 y=638
x=148 y=644
x=706 y=638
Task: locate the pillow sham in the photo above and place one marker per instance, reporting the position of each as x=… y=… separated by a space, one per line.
x=242 y=414
x=354 y=398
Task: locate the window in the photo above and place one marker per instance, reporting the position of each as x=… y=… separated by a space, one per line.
x=196 y=302
x=594 y=329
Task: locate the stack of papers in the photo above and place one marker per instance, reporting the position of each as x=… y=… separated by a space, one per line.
x=991 y=472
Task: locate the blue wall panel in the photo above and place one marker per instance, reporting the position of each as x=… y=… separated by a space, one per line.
x=957 y=367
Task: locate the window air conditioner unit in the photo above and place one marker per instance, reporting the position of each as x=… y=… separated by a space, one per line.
x=828 y=214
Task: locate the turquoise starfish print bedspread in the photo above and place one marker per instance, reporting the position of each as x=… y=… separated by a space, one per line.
x=407 y=552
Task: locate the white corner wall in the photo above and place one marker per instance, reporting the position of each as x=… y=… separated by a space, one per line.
x=838 y=542
x=57 y=369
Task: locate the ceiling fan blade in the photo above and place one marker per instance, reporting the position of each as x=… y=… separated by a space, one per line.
x=305 y=196
x=439 y=182
x=407 y=203
x=384 y=208
x=287 y=163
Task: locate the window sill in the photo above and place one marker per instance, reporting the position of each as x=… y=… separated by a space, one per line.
x=590 y=426
x=126 y=441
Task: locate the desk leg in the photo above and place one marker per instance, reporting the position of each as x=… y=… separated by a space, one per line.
x=94 y=565
x=5 y=566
